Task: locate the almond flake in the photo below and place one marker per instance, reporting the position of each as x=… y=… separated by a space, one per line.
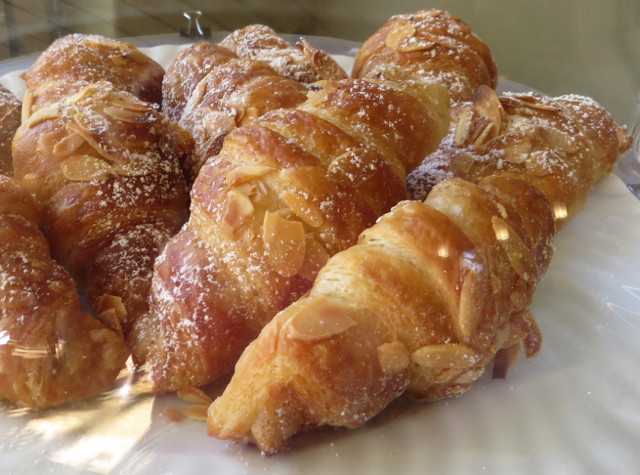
x=463 y=126
x=305 y=209
x=245 y=173
x=172 y=415
x=394 y=357
x=27 y=103
x=284 y=242
x=318 y=319
x=453 y=355
x=196 y=411
x=47 y=113
x=112 y=302
x=399 y=33
x=238 y=210
x=118 y=59
x=194 y=395
x=131 y=105
x=85 y=168
x=68 y=145
x=129 y=116
x=109 y=319
x=518 y=253
x=138 y=165
x=77 y=127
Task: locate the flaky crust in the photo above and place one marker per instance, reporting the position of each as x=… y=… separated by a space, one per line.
x=51 y=352
x=105 y=169
x=431 y=43
x=564 y=145
x=420 y=305
x=302 y=63
x=283 y=195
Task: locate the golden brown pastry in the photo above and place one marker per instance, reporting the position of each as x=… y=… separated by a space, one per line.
x=424 y=301
x=73 y=62
x=431 y=43
x=302 y=63
x=564 y=145
x=283 y=195
x=223 y=93
x=50 y=352
x=104 y=166
x=9 y=123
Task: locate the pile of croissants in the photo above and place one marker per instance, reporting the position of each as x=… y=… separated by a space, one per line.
x=339 y=241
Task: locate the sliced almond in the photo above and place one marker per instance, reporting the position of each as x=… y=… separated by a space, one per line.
x=79 y=128
x=118 y=59
x=194 y=395
x=238 y=211
x=68 y=145
x=245 y=173
x=463 y=126
x=132 y=105
x=85 y=168
x=470 y=310
x=196 y=411
x=172 y=415
x=353 y=168
x=517 y=152
x=486 y=103
x=284 y=242
x=110 y=319
x=453 y=355
x=27 y=103
x=113 y=302
x=305 y=209
x=130 y=116
x=394 y=357
x=399 y=33
x=47 y=113
x=320 y=318
x=316 y=256
x=518 y=253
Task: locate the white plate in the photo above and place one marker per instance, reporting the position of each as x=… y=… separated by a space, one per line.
x=575 y=409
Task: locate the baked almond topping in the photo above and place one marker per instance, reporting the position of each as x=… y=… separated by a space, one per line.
x=27 y=103
x=399 y=33
x=319 y=318
x=129 y=115
x=109 y=319
x=519 y=255
x=284 y=242
x=47 y=113
x=112 y=302
x=196 y=411
x=68 y=145
x=194 y=395
x=238 y=210
x=453 y=355
x=316 y=256
x=85 y=168
x=245 y=173
x=305 y=209
x=393 y=357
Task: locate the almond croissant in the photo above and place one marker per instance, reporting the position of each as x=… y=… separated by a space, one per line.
x=75 y=61
x=431 y=43
x=420 y=305
x=210 y=91
x=104 y=167
x=50 y=352
x=283 y=195
x=563 y=145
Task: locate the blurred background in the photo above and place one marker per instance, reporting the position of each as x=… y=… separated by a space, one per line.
x=589 y=47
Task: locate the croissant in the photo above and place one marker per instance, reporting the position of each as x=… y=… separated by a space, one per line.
x=50 y=352
x=563 y=145
x=431 y=43
x=104 y=166
x=220 y=93
x=302 y=63
x=75 y=61
x=285 y=193
x=419 y=306
x=9 y=123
